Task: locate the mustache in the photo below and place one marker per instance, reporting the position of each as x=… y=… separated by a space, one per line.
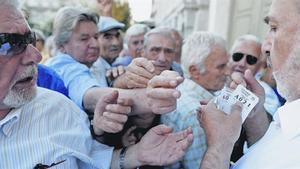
x=114 y=48
x=29 y=71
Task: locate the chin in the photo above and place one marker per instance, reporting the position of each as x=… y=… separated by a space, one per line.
x=17 y=98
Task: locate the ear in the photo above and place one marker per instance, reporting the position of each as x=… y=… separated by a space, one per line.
x=194 y=72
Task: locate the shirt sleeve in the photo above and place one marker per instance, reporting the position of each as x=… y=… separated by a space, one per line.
x=76 y=77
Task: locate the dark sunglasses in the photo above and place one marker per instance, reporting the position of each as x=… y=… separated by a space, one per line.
x=14 y=44
x=251 y=60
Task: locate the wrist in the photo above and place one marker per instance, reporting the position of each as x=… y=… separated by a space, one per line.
x=224 y=146
x=95 y=131
x=131 y=159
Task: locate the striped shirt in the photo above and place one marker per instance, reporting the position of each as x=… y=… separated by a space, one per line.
x=186 y=116
x=47 y=130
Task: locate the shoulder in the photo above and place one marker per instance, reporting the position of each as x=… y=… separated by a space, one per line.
x=48 y=101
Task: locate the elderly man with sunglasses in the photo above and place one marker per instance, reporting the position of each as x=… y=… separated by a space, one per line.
x=246 y=54
x=40 y=128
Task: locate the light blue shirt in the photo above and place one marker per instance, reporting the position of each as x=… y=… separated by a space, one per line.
x=76 y=76
x=99 y=69
x=186 y=116
x=49 y=129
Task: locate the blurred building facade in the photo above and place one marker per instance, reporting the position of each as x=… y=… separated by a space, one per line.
x=229 y=18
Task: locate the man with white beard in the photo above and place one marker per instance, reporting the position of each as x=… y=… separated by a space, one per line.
x=280 y=146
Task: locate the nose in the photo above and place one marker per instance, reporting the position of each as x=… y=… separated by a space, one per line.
x=94 y=43
x=242 y=62
x=267 y=44
x=161 y=56
x=31 y=55
x=140 y=45
x=115 y=41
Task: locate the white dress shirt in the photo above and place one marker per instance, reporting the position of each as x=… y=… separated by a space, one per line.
x=280 y=146
x=47 y=130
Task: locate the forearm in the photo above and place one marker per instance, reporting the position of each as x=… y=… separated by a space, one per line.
x=256 y=127
x=92 y=96
x=138 y=97
x=217 y=157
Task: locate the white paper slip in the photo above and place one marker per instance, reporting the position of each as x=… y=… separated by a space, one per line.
x=247 y=98
x=225 y=100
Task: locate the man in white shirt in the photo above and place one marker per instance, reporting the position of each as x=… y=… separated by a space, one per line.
x=280 y=146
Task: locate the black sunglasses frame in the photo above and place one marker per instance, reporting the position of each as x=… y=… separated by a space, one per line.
x=251 y=60
x=14 y=44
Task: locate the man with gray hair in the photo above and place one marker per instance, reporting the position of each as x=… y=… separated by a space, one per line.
x=76 y=34
x=246 y=54
x=158 y=55
x=280 y=145
x=204 y=60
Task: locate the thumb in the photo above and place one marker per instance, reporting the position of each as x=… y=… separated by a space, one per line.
x=252 y=82
x=162 y=129
x=236 y=110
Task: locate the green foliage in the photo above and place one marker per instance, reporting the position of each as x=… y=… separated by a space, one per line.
x=121 y=12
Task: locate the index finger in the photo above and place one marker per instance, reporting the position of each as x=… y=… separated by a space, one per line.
x=166 y=82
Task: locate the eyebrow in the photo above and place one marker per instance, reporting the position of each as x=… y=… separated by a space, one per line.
x=84 y=35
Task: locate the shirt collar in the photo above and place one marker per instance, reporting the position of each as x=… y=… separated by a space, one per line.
x=8 y=122
x=287 y=117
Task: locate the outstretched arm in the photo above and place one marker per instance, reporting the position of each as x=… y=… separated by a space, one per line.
x=159 y=146
x=159 y=97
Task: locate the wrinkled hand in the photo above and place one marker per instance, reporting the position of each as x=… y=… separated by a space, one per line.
x=111 y=113
x=139 y=72
x=162 y=93
x=248 y=80
x=219 y=127
x=129 y=138
x=115 y=72
x=160 y=146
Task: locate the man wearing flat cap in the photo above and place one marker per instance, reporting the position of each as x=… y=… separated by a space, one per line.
x=111 y=44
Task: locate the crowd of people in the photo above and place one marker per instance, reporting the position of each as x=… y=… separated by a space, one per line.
x=145 y=97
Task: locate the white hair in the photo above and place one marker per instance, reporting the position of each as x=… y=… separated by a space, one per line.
x=166 y=32
x=247 y=37
x=134 y=30
x=67 y=18
x=196 y=49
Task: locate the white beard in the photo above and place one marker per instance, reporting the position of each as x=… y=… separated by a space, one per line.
x=288 y=75
x=16 y=98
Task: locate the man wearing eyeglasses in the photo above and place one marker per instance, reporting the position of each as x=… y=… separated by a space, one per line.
x=40 y=128
x=279 y=147
x=246 y=54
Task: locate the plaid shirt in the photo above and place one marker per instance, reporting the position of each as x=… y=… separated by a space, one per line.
x=186 y=116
